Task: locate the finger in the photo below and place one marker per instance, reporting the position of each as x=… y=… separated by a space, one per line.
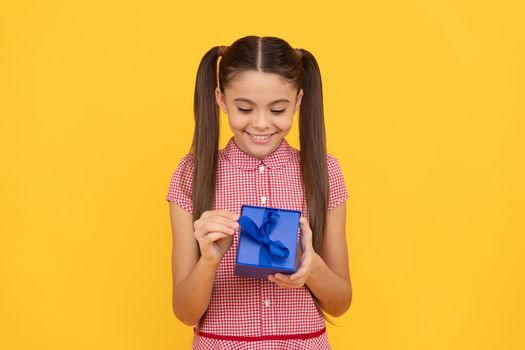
x=283 y=284
x=305 y=263
x=199 y=224
x=305 y=226
x=214 y=227
x=217 y=226
x=214 y=236
x=276 y=281
x=298 y=255
x=300 y=271
x=282 y=277
x=205 y=214
x=223 y=220
x=299 y=274
x=219 y=212
x=225 y=213
x=306 y=233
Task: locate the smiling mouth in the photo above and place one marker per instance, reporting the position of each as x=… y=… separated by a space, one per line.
x=260 y=136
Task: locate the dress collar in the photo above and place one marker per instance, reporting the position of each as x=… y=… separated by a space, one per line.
x=276 y=159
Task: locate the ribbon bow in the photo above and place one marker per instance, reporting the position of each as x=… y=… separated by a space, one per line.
x=261 y=234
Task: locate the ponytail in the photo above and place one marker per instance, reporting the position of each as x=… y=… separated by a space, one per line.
x=312 y=138
x=205 y=145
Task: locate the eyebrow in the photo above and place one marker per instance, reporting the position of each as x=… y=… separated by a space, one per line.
x=271 y=103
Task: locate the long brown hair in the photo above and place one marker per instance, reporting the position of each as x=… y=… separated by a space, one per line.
x=299 y=66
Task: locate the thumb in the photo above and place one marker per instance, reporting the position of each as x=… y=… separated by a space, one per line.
x=305 y=229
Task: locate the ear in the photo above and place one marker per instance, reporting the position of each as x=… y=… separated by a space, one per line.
x=221 y=101
x=299 y=98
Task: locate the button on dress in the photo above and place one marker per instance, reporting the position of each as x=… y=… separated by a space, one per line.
x=248 y=313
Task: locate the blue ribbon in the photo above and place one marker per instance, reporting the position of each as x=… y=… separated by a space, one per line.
x=261 y=234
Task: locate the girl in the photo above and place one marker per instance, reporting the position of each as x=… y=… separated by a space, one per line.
x=261 y=83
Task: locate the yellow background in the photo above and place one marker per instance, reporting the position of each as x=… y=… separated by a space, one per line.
x=424 y=110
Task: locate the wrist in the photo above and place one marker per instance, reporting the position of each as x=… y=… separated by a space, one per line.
x=209 y=263
x=316 y=262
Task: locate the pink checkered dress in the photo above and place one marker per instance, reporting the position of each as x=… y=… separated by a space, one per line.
x=247 y=313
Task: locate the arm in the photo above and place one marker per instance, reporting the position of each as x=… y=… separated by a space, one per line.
x=325 y=274
x=193 y=275
x=329 y=279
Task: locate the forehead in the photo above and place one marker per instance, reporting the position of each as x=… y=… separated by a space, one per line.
x=259 y=87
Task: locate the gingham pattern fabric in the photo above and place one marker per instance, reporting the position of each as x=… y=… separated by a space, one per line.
x=247 y=307
x=320 y=342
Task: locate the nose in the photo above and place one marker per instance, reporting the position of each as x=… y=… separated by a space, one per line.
x=261 y=121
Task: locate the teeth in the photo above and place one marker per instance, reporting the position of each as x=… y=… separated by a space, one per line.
x=258 y=137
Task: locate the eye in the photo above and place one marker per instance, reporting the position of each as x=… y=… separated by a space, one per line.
x=249 y=110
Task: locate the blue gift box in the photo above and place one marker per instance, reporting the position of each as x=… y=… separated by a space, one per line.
x=267 y=241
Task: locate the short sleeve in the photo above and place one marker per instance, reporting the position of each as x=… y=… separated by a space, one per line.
x=180 y=186
x=338 y=191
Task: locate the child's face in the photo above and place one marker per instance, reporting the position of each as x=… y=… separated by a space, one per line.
x=256 y=93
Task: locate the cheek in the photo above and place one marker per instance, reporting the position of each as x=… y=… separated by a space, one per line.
x=236 y=122
x=284 y=123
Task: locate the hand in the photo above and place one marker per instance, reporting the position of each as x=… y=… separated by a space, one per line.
x=214 y=231
x=307 y=262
